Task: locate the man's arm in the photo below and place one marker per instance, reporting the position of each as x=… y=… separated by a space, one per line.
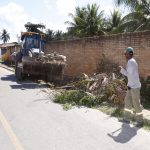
x=129 y=71
x=123 y=71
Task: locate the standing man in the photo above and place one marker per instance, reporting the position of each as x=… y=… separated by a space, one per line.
x=132 y=98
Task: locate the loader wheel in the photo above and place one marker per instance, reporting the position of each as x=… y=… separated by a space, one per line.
x=18 y=73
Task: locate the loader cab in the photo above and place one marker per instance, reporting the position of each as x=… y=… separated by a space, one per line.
x=32 y=40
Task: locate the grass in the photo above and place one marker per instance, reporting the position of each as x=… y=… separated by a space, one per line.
x=146 y=124
x=118 y=113
x=109 y=110
x=67 y=106
x=146 y=104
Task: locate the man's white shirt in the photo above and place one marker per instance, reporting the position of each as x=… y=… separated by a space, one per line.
x=132 y=74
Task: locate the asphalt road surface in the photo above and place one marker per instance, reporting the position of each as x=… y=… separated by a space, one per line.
x=29 y=120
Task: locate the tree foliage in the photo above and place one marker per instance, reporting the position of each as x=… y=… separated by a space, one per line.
x=54 y=35
x=90 y=21
x=4 y=36
x=87 y=21
x=139 y=17
x=30 y=27
x=114 y=22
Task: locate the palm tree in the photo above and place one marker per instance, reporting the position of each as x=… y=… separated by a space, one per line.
x=132 y=4
x=139 y=18
x=79 y=22
x=87 y=21
x=136 y=21
x=4 y=36
x=58 y=35
x=30 y=27
x=54 y=35
x=114 y=22
x=95 y=20
x=49 y=35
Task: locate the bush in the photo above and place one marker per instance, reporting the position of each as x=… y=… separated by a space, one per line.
x=115 y=92
x=145 y=92
x=82 y=84
x=76 y=97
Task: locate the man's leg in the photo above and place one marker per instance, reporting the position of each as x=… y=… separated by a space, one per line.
x=128 y=107
x=137 y=105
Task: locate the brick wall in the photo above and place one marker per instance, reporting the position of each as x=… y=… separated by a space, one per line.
x=84 y=54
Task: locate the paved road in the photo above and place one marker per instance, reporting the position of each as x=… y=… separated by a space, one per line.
x=29 y=120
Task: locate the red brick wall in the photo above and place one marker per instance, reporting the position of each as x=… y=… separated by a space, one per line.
x=84 y=54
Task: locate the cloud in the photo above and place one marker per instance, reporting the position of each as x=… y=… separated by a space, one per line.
x=55 y=26
x=105 y=5
x=13 y=18
x=65 y=6
x=47 y=4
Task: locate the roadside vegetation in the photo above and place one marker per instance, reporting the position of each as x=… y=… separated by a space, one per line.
x=79 y=98
x=99 y=93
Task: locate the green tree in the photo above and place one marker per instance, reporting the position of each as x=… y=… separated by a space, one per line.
x=132 y=4
x=58 y=35
x=139 y=17
x=114 y=22
x=49 y=35
x=77 y=26
x=30 y=27
x=4 y=36
x=54 y=35
x=87 y=21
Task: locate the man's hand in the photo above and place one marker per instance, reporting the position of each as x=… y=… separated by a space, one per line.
x=119 y=68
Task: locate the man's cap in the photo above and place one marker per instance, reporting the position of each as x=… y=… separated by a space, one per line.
x=129 y=50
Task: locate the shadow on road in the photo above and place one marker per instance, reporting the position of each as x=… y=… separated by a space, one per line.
x=9 y=78
x=27 y=84
x=126 y=133
x=24 y=86
x=46 y=100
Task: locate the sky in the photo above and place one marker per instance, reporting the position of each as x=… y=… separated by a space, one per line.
x=14 y=14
